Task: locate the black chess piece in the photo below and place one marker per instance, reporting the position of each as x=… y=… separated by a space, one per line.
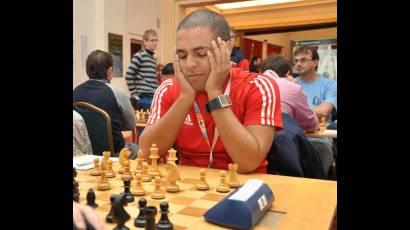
x=119 y=214
x=150 y=213
x=164 y=223
x=76 y=192
x=91 y=198
x=128 y=195
x=108 y=217
x=140 y=219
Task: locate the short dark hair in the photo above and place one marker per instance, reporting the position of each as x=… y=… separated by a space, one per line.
x=97 y=64
x=277 y=63
x=306 y=50
x=168 y=69
x=207 y=18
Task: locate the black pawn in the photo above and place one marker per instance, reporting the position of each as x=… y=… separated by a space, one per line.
x=128 y=194
x=150 y=213
x=164 y=223
x=108 y=217
x=140 y=219
x=76 y=192
x=91 y=198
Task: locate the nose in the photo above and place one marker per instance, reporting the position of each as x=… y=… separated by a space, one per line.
x=190 y=62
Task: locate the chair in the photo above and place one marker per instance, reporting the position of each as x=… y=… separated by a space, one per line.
x=292 y=154
x=98 y=124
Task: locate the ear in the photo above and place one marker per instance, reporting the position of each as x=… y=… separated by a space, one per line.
x=316 y=63
x=109 y=73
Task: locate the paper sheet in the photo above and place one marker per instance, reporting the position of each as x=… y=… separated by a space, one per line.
x=86 y=162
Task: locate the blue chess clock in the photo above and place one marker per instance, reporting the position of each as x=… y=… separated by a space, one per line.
x=244 y=207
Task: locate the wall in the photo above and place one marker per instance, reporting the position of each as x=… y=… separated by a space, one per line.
x=283 y=39
x=94 y=19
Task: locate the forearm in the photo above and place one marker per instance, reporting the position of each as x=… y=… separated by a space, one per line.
x=165 y=131
x=239 y=143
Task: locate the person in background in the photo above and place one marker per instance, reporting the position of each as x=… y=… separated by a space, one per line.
x=254 y=65
x=167 y=72
x=321 y=93
x=141 y=75
x=237 y=57
x=99 y=92
x=292 y=99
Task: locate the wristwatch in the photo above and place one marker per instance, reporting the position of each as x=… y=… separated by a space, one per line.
x=220 y=101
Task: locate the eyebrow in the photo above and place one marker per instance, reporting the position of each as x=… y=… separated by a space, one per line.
x=195 y=49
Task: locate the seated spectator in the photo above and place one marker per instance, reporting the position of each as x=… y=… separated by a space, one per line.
x=99 y=92
x=167 y=72
x=292 y=99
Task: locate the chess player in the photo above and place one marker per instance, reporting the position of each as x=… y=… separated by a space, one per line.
x=99 y=92
x=292 y=99
x=214 y=114
x=321 y=93
x=82 y=214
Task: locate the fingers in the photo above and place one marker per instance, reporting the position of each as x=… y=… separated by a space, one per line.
x=78 y=218
x=92 y=218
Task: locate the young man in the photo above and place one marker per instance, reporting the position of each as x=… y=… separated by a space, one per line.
x=321 y=93
x=99 y=92
x=292 y=99
x=214 y=114
x=141 y=74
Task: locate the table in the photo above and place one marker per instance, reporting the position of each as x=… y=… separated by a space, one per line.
x=300 y=203
x=330 y=133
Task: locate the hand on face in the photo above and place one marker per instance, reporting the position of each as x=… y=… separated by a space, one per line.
x=220 y=60
x=186 y=88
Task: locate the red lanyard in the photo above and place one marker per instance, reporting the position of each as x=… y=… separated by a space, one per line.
x=202 y=126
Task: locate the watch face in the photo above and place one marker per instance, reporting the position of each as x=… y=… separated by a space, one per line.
x=225 y=101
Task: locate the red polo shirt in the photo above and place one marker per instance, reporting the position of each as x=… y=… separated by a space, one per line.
x=255 y=101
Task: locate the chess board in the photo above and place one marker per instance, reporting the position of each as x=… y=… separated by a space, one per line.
x=186 y=207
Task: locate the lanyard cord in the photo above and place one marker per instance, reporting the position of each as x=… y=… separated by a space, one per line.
x=202 y=126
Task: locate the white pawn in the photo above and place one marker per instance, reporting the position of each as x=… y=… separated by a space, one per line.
x=222 y=187
x=203 y=185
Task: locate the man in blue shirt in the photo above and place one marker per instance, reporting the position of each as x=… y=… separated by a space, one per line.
x=321 y=93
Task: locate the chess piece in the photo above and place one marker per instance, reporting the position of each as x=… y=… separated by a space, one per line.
x=322 y=124
x=164 y=223
x=96 y=170
x=91 y=198
x=150 y=213
x=157 y=193
x=154 y=171
x=140 y=219
x=119 y=214
x=103 y=183
x=222 y=187
x=140 y=160
x=172 y=177
x=123 y=157
x=172 y=155
x=110 y=172
x=145 y=176
x=138 y=116
x=128 y=195
x=233 y=180
x=126 y=173
x=76 y=192
x=138 y=190
x=108 y=217
x=202 y=185
x=106 y=157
